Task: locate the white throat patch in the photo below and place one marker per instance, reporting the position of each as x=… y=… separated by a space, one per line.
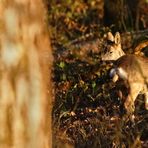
x=121 y=73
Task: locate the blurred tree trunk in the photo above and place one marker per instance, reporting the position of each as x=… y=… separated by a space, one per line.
x=112 y=12
x=25 y=75
x=125 y=14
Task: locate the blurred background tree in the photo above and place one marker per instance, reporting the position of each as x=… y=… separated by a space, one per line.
x=126 y=15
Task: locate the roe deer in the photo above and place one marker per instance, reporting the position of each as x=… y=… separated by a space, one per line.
x=132 y=69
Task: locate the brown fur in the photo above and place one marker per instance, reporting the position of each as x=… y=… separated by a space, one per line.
x=131 y=68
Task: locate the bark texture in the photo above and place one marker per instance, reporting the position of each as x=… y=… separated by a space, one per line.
x=25 y=75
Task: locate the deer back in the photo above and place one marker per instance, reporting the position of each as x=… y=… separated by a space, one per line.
x=132 y=68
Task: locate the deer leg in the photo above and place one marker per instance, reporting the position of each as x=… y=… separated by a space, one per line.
x=115 y=78
x=134 y=90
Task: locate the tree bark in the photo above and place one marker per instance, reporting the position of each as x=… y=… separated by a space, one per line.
x=25 y=75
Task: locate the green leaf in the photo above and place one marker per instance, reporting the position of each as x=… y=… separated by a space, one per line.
x=93 y=84
x=62 y=65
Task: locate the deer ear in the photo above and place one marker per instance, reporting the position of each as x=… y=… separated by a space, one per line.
x=110 y=36
x=117 y=38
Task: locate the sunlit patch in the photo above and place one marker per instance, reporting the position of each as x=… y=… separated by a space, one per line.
x=11 y=53
x=122 y=73
x=11 y=21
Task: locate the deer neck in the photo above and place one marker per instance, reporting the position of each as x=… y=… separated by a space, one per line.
x=121 y=52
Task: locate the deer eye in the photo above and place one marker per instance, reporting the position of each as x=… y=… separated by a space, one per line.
x=110 y=52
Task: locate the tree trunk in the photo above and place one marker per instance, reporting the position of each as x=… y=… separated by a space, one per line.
x=126 y=14
x=25 y=75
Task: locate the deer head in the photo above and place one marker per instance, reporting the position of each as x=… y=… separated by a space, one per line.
x=113 y=49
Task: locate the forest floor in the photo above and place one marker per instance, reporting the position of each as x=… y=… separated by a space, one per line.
x=88 y=110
